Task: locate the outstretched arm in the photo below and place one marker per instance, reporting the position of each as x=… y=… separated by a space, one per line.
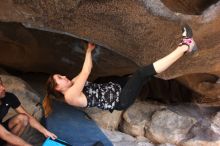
x=87 y=65
x=81 y=78
x=35 y=124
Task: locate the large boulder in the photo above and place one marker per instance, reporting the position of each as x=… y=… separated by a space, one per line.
x=131 y=32
x=206 y=133
x=167 y=126
x=198 y=142
x=105 y=119
x=216 y=123
x=48 y=52
x=137 y=118
x=177 y=124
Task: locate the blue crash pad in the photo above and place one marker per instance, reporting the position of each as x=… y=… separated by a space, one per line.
x=73 y=126
x=56 y=142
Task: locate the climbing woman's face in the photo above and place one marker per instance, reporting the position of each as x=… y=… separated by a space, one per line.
x=62 y=82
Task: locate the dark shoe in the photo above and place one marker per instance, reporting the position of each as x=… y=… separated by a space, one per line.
x=187 y=31
x=188 y=39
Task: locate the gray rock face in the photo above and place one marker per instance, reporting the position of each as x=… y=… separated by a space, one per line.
x=175 y=125
x=216 y=123
x=137 y=118
x=121 y=139
x=167 y=126
x=105 y=119
x=198 y=142
x=206 y=133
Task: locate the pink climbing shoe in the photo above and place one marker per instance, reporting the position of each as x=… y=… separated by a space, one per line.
x=187 y=35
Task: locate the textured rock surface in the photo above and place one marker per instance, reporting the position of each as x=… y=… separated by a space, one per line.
x=201 y=143
x=39 y=51
x=121 y=139
x=167 y=126
x=188 y=6
x=206 y=85
x=142 y=31
x=138 y=118
x=216 y=123
x=105 y=119
x=173 y=124
x=129 y=28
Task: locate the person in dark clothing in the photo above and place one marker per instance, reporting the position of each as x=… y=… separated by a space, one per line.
x=112 y=95
x=12 y=128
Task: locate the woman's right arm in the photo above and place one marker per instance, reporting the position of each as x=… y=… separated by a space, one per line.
x=87 y=66
x=79 y=81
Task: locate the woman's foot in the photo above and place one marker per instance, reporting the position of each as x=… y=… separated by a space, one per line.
x=187 y=35
x=190 y=43
x=187 y=31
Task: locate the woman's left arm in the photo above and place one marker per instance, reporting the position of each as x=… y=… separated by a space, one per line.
x=35 y=124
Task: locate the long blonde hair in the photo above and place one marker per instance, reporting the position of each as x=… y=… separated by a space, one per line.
x=50 y=90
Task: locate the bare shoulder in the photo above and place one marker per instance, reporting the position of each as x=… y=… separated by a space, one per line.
x=78 y=101
x=70 y=97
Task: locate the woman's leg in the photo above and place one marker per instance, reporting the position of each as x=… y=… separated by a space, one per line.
x=165 y=62
x=135 y=83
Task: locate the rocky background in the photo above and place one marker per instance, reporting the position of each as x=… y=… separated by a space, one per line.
x=46 y=36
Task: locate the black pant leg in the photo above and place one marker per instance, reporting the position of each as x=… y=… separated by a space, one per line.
x=134 y=85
